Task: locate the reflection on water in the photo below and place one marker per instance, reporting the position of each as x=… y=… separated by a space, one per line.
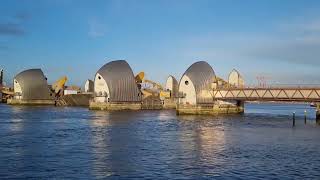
x=100 y=119
x=64 y=143
x=99 y=143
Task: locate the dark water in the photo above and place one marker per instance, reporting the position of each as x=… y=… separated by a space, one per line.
x=66 y=143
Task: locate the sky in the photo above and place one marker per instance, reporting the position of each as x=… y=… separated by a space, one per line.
x=277 y=40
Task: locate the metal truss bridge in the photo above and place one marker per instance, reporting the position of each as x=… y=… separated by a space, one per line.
x=302 y=94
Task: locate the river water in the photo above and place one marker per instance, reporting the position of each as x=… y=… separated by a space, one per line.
x=75 y=143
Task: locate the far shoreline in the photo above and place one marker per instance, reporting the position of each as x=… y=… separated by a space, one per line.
x=277 y=102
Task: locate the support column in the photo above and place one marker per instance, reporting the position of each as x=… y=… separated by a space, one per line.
x=240 y=105
x=318 y=113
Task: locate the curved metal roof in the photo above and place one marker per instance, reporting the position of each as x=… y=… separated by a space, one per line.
x=240 y=81
x=175 y=86
x=33 y=85
x=236 y=71
x=121 y=82
x=202 y=75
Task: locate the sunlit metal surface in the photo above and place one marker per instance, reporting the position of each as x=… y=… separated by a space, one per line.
x=33 y=85
x=202 y=75
x=121 y=81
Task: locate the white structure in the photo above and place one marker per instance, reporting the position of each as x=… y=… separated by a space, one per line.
x=235 y=79
x=89 y=86
x=172 y=86
x=17 y=89
x=70 y=91
x=101 y=89
x=195 y=86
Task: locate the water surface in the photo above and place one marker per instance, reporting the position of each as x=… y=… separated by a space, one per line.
x=66 y=143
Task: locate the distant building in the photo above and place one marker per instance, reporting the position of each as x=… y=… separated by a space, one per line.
x=172 y=86
x=31 y=85
x=235 y=79
x=114 y=82
x=89 y=86
x=71 y=90
x=195 y=86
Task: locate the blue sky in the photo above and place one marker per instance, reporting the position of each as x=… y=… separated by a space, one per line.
x=276 y=39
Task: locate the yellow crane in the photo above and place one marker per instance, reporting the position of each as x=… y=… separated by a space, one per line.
x=58 y=86
x=154 y=84
x=140 y=78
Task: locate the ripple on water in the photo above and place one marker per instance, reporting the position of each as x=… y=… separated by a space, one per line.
x=64 y=143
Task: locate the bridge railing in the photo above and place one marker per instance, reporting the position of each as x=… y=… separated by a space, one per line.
x=301 y=86
x=308 y=94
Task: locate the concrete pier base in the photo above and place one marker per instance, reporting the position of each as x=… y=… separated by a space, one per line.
x=208 y=109
x=169 y=104
x=30 y=102
x=151 y=103
x=114 y=106
x=74 y=100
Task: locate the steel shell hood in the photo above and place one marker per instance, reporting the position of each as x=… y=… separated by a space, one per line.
x=121 y=82
x=33 y=85
x=202 y=75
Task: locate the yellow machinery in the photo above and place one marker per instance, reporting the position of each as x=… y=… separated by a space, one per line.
x=219 y=83
x=154 y=84
x=140 y=78
x=6 y=93
x=58 y=86
x=165 y=94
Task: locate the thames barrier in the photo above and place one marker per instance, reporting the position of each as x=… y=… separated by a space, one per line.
x=160 y=89
x=115 y=87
